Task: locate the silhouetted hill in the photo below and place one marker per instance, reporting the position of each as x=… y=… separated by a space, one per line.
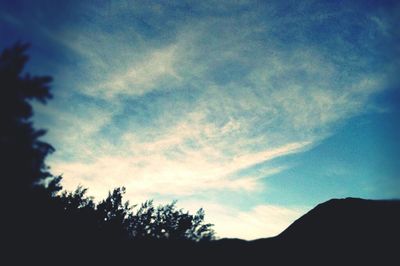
x=350 y=230
x=347 y=231
x=351 y=218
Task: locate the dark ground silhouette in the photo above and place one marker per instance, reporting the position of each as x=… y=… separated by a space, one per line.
x=42 y=225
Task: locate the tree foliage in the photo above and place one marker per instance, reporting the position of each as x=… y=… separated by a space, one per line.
x=115 y=218
x=22 y=152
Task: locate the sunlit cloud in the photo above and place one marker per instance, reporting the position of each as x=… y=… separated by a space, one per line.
x=233 y=125
x=283 y=104
x=176 y=107
x=170 y=163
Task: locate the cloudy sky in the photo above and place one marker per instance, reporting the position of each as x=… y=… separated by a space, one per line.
x=254 y=110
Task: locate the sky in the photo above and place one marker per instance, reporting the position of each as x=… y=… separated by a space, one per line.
x=254 y=110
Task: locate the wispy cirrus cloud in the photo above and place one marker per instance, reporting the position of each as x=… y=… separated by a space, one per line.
x=153 y=70
x=253 y=98
x=253 y=102
x=186 y=161
x=176 y=106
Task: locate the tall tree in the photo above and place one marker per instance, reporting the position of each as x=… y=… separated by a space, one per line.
x=22 y=153
x=27 y=213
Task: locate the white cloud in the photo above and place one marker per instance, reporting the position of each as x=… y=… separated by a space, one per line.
x=240 y=98
x=139 y=78
x=178 y=172
x=230 y=127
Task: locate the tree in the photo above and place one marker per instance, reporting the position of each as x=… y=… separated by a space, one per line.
x=113 y=215
x=165 y=222
x=168 y=223
x=21 y=150
x=27 y=212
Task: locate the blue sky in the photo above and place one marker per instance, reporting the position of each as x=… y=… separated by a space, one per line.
x=255 y=110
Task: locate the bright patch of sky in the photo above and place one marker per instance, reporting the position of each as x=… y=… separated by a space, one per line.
x=254 y=110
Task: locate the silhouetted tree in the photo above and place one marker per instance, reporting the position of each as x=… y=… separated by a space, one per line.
x=168 y=223
x=113 y=215
x=117 y=219
x=26 y=209
x=22 y=152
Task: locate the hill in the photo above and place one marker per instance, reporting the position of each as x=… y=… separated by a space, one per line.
x=347 y=231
